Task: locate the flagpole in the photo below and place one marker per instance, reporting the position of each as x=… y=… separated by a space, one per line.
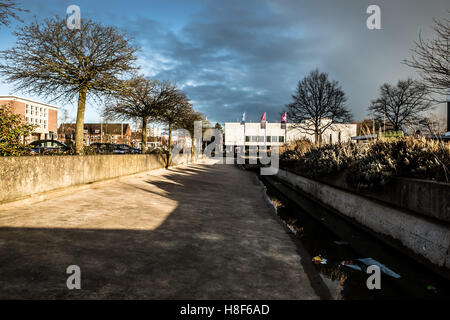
x=244 y=136
x=265 y=135
x=285 y=132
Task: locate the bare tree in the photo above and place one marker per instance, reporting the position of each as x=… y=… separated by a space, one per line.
x=51 y=60
x=174 y=112
x=431 y=58
x=433 y=124
x=140 y=98
x=402 y=104
x=187 y=122
x=9 y=9
x=317 y=104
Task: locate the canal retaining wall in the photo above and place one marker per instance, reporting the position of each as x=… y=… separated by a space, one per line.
x=22 y=177
x=426 y=237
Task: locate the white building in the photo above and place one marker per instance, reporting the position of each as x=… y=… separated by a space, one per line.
x=251 y=134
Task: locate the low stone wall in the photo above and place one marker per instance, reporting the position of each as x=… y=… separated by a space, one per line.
x=21 y=177
x=425 y=237
x=423 y=197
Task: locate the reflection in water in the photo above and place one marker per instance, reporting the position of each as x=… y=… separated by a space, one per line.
x=344 y=242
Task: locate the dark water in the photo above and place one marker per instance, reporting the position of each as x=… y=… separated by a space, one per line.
x=323 y=233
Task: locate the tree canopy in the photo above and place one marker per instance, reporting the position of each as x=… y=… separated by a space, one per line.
x=402 y=104
x=140 y=98
x=431 y=58
x=9 y=9
x=12 y=130
x=51 y=60
x=318 y=103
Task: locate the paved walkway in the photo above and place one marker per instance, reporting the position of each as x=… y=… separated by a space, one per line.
x=197 y=232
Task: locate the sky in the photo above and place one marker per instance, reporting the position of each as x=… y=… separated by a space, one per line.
x=247 y=56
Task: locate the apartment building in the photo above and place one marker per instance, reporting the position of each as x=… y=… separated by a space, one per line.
x=43 y=116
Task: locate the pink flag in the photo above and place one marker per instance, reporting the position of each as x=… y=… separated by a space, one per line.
x=283 y=118
x=263 y=117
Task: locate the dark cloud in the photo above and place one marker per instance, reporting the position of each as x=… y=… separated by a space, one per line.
x=236 y=56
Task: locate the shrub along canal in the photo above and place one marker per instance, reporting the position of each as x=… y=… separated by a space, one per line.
x=338 y=242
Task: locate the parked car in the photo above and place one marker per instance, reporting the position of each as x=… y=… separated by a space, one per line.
x=109 y=148
x=44 y=146
x=150 y=145
x=103 y=148
x=124 y=148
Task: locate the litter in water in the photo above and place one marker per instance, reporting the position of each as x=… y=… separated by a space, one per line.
x=319 y=260
x=432 y=288
x=362 y=264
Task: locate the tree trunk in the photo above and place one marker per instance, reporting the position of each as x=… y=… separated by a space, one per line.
x=80 y=121
x=169 y=153
x=316 y=137
x=144 y=135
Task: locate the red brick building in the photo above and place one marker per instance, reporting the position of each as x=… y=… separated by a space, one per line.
x=117 y=133
x=42 y=115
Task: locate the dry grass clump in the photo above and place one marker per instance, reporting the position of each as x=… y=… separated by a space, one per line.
x=372 y=164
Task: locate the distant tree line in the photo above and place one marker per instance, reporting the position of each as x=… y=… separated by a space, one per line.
x=317 y=99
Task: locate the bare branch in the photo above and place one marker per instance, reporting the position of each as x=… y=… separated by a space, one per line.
x=431 y=58
x=402 y=104
x=317 y=104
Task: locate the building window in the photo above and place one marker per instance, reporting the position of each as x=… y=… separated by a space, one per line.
x=269 y=139
x=261 y=139
x=247 y=138
x=280 y=139
x=254 y=139
x=274 y=139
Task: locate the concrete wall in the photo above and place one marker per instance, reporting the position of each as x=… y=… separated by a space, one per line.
x=425 y=237
x=21 y=177
x=423 y=197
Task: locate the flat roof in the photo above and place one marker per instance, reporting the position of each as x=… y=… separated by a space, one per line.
x=27 y=100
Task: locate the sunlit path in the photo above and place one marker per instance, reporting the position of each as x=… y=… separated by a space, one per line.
x=201 y=232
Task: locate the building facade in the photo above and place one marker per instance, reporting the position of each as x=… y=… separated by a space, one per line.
x=42 y=115
x=117 y=133
x=276 y=134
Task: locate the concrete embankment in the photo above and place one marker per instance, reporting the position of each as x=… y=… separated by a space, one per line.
x=424 y=237
x=22 y=177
